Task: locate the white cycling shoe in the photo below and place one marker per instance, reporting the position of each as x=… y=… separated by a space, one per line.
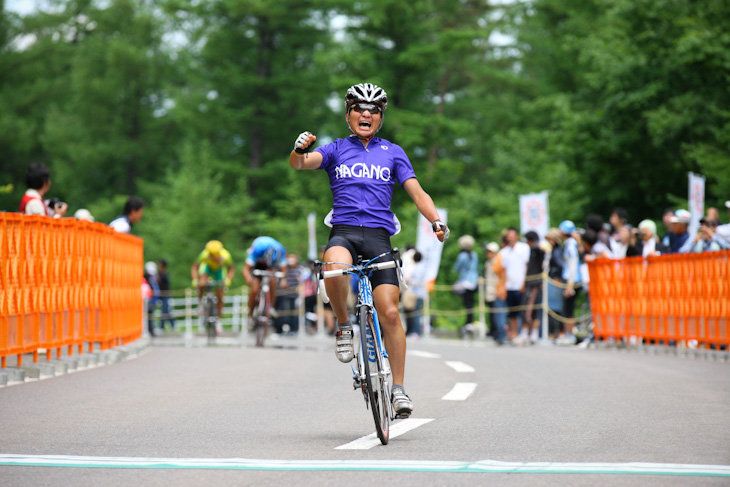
x=343 y=344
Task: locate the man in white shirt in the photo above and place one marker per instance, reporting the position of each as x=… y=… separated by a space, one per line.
x=133 y=210
x=38 y=179
x=723 y=231
x=515 y=257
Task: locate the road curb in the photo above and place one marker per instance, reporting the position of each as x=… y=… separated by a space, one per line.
x=45 y=369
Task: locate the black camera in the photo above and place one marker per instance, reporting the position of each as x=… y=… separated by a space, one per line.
x=54 y=202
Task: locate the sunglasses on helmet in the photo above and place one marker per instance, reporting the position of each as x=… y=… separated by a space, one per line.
x=362 y=107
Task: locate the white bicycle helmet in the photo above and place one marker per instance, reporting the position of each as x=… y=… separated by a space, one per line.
x=366 y=93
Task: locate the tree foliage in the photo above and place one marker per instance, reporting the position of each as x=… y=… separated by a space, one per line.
x=195 y=105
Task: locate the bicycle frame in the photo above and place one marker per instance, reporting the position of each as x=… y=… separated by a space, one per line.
x=210 y=308
x=264 y=303
x=373 y=374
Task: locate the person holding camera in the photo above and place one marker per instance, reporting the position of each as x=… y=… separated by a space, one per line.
x=38 y=180
x=644 y=241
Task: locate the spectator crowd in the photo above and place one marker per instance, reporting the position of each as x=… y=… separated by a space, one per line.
x=512 y=271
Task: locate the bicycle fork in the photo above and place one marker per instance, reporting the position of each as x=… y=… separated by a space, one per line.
x=371 y=355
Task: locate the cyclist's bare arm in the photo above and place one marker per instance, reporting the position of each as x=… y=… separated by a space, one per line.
x=301 y=157
x=231 y=274
x=247 y=274
x=425 y=205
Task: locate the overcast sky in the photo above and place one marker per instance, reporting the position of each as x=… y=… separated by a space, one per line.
x=20 y=6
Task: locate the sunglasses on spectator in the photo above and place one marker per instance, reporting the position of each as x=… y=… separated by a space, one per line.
x=362 y=107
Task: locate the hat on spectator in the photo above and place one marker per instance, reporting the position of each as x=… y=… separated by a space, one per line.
x=553 y=234
x=466 y=242
x=727 y=204
x=150 y=268
x=567 y=227
x=681 y=216
x=648 y=225
x=492 y=247
x=84 y=214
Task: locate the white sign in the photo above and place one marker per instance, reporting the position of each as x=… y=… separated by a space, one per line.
x=696 y=202
x=534 y=213
x=430 y=248
x=312 y=237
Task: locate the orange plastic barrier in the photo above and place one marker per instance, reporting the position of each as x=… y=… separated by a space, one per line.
x=670 y=298
x=66 y=283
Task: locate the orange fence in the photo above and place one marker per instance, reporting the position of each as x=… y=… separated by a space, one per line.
x=64 y=283
x=662 y=299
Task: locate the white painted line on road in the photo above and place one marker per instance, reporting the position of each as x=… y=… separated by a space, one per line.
x=420 y=353
x=483 y=466
x=396 y=429
x=460 y=366
x=460 y=392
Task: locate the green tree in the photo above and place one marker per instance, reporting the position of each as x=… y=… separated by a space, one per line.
x=110 y=130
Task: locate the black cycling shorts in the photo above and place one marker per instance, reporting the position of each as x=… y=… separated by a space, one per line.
x=368 y=243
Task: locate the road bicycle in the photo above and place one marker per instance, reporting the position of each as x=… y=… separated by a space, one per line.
x=209 y=308
x=371 y=370
x=264 y=303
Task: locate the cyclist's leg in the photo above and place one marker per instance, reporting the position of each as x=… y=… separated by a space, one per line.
x=202 y=279
x=253 y=294
x=219 y=292
x=386 y=303
x=338 y=287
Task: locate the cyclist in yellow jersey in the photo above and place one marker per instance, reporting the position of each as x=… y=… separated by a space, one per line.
x=209 y=265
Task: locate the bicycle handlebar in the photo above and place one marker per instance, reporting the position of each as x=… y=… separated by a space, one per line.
x=361 y=269
x=261 y=273
x=377 y=266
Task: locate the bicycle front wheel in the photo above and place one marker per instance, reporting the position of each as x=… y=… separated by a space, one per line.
x=376 y=382
x=262 y=320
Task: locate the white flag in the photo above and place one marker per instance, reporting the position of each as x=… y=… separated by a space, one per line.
x=312 y=237
x=696 y=201
x=429 y=246
x=534 y=213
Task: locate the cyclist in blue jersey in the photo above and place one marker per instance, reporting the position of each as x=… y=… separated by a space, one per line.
x=265 y=254
x=362 y=170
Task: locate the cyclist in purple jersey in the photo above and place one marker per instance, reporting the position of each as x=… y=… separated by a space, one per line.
x=363 y=170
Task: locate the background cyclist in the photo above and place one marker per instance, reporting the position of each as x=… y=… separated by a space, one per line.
x=265 y=253
x=362 y=170
x=209 y=266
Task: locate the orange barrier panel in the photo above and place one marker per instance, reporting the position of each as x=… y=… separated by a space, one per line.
x=66 y=283
x=670 y=298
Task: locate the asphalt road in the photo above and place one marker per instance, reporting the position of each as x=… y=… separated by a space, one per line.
x=287 y=415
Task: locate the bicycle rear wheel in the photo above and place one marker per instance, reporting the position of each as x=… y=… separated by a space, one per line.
x=376 y=383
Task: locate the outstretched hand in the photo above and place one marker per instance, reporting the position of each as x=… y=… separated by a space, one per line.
x=441 y=230
x=304 y=142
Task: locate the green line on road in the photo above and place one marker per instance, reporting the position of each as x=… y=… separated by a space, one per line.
x=483 y=466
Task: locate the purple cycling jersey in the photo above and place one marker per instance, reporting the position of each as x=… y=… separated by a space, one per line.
x=362 y=180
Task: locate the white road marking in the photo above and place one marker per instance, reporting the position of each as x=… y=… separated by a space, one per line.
x=396 y=429
x=460 y=366
x=420 y=353
x=460 y=392
x=483 y=466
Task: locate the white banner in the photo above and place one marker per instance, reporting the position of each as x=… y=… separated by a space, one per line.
x=312 y=231
x=696 y=202
x=429 y=246
x=534 y=213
